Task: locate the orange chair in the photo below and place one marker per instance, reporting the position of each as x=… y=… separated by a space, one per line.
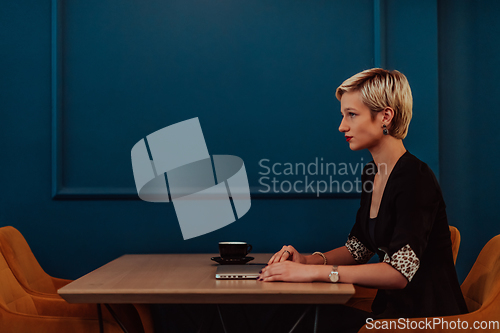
x=455 y=242
x=24 y=265
x=481 y=290
x=21 y=312
x=363 y=297
x=35 y=281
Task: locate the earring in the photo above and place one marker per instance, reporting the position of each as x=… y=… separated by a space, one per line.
x=385 y=131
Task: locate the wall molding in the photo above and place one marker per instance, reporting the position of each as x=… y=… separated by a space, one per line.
x=62 y=192
x=379 y=33
x=56 y=87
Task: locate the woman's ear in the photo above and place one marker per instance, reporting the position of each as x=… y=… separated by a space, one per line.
x=387 y=115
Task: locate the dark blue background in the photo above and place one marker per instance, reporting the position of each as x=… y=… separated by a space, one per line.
x=261 y=77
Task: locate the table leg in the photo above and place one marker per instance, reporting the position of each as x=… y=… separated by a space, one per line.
x=99 y=315
x=192 y=319
x=221 y=319
x=207 y=320
x=300 y=319
x=116 y=318
x=316 y=315
x=248 y=323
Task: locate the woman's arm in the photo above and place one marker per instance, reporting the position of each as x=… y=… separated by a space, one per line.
x=338 y=256
x=379 y=275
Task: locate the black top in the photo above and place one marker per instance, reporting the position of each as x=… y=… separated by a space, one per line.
x=411 y=234
x=371 y=227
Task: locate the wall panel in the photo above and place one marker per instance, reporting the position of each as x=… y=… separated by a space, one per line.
x=469 y=51
x=260 y=76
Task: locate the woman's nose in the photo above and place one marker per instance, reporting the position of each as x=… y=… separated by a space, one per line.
x=343 y=128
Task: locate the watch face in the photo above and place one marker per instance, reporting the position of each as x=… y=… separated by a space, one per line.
x=334 y=277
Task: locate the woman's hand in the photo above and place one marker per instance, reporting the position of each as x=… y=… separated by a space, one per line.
x=288 y=252
x=289 y=271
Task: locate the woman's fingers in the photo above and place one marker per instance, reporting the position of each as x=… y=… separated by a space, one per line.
x=271 y=260
x=275 y=269
x=283 y=255
x=271 y=278
x=280 y=256
x=275 y=257
x=295 y=255
x=286 y=254
x=288 y=271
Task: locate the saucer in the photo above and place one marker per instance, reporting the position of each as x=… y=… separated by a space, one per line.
x=239 y=261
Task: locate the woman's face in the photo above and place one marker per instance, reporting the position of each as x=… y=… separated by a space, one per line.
x=360 y=130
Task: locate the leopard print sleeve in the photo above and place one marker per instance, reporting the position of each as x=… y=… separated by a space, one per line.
x=405 y=261
x=358 y=250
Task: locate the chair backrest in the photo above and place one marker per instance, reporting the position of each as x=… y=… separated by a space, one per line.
x=23 y=263
x=455 y=242
x=481 y=287
x=12 y=296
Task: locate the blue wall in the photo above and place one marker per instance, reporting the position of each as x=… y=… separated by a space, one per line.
x=469 y=50
x=261 y=76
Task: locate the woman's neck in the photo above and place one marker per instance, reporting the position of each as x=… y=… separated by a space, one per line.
x=387 y=153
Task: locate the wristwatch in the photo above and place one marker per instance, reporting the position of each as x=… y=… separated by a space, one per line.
x=334 y=274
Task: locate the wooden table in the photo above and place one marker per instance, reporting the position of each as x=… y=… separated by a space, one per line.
x=190 y=278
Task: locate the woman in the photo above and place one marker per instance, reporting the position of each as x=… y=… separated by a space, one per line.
x=401 y=218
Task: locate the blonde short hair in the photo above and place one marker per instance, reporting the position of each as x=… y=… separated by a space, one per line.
x=379 y=89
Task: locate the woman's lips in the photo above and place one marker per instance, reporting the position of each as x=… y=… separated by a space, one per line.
x=348 y=138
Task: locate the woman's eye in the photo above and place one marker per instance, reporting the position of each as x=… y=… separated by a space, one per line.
x=352 y=115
